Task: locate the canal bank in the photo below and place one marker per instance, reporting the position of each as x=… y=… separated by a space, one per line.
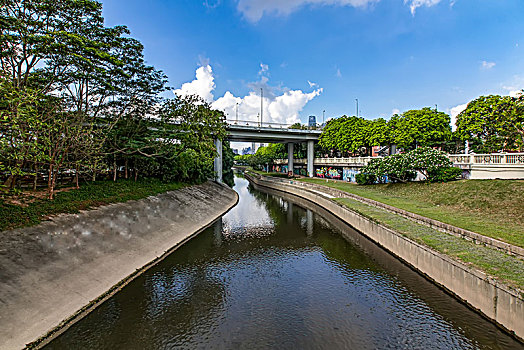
x=494 y=300
x=57 y=271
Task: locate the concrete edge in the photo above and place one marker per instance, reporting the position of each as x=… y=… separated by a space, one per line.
x=65 y=324
x=484 y=284
x=436 y=224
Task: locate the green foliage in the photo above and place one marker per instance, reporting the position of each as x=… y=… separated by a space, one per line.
x=444 y=174
x=432 y=163
x=421 y=127
x=91 y=195
x=79 y=97
x=365 y=179
x=267 y=155
x=227 y=164
x=493 y=123
x=355 y=135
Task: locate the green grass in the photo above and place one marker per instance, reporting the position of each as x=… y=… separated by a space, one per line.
x=492 y=208
x=506 y=268
x=274 y=174
x=88 y=196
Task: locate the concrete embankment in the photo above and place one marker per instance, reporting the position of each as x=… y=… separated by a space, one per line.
x=499 y=303
x=53 y=273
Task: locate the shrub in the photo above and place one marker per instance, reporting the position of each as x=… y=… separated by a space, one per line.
x=444 y=174
x=365 y=179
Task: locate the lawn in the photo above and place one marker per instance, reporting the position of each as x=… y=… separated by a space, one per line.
x=493 y=208
x=504 y=267
x=34 y=209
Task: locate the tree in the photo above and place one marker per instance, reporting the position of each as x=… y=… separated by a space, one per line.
x=492 y=123
x=422 y=127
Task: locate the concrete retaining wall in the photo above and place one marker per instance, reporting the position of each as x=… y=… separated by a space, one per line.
x=497 y=302
x=438 y=225
x=50 y=271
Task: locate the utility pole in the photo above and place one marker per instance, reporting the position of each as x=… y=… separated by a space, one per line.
x=237 y=112
x=357 y=105
x=323 y=117
x=261 y=105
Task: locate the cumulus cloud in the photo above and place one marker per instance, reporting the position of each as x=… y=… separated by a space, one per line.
x=414 y=4
x=454 y=111
x=254 y=10
x=487 y=65
x=280 y=105
x=395 y=111
x=515 y=87
x=203 y=85
x=311 y=84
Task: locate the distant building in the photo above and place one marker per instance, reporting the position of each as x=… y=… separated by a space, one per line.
x=312 y=121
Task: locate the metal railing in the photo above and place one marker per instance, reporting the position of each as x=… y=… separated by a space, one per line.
x=255 y=123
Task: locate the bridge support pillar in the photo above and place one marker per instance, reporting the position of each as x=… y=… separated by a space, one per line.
x=290 y=157
x=310 y=157
x=218 y=161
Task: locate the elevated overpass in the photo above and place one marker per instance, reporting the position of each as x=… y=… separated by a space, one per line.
x=269 y=133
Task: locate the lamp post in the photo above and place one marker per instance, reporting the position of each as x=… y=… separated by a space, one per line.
x=323 y=117
x=357 y=105
x=261 y=105
x=237 y=112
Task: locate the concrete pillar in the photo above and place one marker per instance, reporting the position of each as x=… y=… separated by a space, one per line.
x=290 y=157
x=218 y=161
x=310 y=157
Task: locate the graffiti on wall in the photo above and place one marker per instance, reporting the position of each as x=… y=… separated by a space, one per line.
x=349 y=174
x=328 y=173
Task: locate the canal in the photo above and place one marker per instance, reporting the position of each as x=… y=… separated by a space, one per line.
x=279 y=272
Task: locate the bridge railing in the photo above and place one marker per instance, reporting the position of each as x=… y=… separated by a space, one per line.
x=457 y=159
x=255 y=123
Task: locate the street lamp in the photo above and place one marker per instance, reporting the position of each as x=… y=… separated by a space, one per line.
x=261 y=105
x=237 y=112
x=323 y=117
x=357 y=105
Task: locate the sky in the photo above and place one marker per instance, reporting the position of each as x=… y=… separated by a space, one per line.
x=310 y=56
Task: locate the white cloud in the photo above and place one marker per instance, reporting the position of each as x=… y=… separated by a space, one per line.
x=280 y=105
x=454 y=111
x=514 y=87
x=487 y=65
x=414 y=4
x=263 y=68
x=338 y=74
x=203 y=85
x=311 y=84
x=254 y=10
x=395 y=111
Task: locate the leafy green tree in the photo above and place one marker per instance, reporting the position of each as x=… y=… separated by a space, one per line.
x=422 y=127
x=493 y=123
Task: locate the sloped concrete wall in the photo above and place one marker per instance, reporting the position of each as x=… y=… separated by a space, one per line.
x=50 y=271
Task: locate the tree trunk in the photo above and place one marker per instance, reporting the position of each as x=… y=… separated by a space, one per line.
x=126 y=173
x=136 y=174
x=50 y=182
x=114 y=168
x=76 y=178
x=35 y=180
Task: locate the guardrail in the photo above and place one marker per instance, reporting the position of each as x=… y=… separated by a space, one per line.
x=458 y=159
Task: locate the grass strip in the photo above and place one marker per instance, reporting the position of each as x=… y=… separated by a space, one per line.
x=90 y=195
x=508 y=269
x=489 y=207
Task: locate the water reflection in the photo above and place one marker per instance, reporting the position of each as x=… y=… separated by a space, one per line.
x=278 y=272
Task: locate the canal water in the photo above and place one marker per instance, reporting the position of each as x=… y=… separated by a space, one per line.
x=278 y=272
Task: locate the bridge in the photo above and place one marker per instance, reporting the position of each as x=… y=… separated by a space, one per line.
x=269 y=133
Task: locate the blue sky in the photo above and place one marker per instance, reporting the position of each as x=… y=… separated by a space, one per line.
x=315 y=55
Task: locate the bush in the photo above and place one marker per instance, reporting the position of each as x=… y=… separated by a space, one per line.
x=365 y=179
x=444 y=174
x=432 y=163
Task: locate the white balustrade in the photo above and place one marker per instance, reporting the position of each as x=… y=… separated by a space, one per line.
x=459 y=159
